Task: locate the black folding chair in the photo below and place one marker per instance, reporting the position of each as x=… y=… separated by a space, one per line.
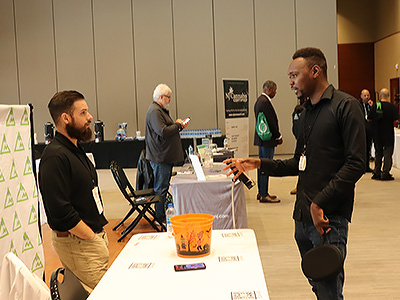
x=70 y=288
x=140 y=202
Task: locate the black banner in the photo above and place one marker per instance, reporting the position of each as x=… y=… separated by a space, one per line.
x=236 y=95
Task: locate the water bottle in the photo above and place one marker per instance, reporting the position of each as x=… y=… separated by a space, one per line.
x=190 y=149
x=226 y=143
x=170 y=212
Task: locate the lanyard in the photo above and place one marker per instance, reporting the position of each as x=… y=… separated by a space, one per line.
x=307 y=133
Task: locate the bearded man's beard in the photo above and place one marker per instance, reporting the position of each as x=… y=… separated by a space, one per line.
x=81 y=134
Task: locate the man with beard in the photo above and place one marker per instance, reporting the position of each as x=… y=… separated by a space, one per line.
x=69 y=186
x=329 y=159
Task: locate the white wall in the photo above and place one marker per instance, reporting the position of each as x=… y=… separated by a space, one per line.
x=116 y=52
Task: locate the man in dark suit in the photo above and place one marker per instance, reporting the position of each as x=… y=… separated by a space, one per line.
x=366 y=103
x=266 y=149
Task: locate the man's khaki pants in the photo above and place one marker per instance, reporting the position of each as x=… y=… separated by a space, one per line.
x=87 y=259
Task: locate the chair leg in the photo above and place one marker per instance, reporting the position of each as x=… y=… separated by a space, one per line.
x=131 y=226
x=124 y=219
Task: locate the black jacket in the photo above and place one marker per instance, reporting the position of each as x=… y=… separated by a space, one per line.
x=264 y=105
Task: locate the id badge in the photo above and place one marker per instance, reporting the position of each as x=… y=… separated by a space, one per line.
x=96 y=197
x=302 y=163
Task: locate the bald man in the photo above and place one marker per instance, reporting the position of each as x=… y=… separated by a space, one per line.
x=383 y=114
x=366 y=104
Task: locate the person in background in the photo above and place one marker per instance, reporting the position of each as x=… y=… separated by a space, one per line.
x=163 y=143
x=382 y=124
x=69 y=186
x=366 y=104
x=266 y=149
x=295 y=126
x=329 y=159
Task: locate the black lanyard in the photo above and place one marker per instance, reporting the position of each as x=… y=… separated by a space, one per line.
x=307 y=133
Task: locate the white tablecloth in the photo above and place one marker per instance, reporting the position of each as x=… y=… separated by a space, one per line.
x=213 y=196
x=145 y=270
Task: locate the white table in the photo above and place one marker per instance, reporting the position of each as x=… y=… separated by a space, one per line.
x=396 y=152
x=145 y=270
x=213 y=196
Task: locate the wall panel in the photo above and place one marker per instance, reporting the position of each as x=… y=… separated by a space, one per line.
x=114 y=65
x=316 y=27
x=235 y=50
x=194 y=59
x=36 y=58
x=154 y=56
x=274 y=49
x=74 y=49
x=8 y=60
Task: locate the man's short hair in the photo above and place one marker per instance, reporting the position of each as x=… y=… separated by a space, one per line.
x=160 y=90
x=384 y=93
x=269 y=84
x=62 y=102
x=313 y=56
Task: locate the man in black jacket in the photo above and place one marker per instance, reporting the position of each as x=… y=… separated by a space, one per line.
x=329 y=159
x=266 y=148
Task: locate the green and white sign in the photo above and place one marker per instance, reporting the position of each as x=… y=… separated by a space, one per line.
x=19 y=229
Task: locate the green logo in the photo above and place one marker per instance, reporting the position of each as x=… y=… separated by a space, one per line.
x=27 y=243
x=28 y=166
x=37 y=263
x=12 y=248
x=32 y=216
x=1 y=176
x=16 y=224
x=13 y=173
x=25 y=118
x=9 y=199
x=3 y=229
x=10 y=118
x=4 y=146
x=19 y=145
x=22 y=195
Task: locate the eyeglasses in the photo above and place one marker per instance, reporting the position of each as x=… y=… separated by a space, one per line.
x=169 y=97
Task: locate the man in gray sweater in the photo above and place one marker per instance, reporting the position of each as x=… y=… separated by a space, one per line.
x=163 y=143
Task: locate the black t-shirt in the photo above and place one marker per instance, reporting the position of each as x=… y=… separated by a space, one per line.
x=66 y=181
x=382 y=123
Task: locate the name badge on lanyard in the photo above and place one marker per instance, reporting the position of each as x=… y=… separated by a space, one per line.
x=302 y=162
x=96 y=197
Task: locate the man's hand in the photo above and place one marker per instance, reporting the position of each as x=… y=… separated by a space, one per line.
x=180 y=121
x=279 y=141
x=241 y=165
x=320 y=222
x=82 y=231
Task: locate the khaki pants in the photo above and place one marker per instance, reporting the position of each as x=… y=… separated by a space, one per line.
x=87 y=259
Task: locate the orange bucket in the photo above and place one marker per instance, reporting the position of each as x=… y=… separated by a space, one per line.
x=192 y=234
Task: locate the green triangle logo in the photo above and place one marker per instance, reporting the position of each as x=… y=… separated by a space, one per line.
x=9 y=199
x=4 y=146
x=37 y=263
x=3 y=229
x=25 y=118
x=19 y=145
x=16 y=224
x=13 y=173
x=1 y=176
x=10 y=118
x=28 y=166
x=35 y=193
x=40 y=242
x=12 y=248
x=27 y=243
x=22 y=195
x=33 y=216
x=29 y=143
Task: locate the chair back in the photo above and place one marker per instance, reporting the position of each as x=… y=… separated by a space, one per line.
x=122 y=181
x=70 y=288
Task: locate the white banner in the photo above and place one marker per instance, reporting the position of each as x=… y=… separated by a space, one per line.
x=19 y=231
x=236 y=98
